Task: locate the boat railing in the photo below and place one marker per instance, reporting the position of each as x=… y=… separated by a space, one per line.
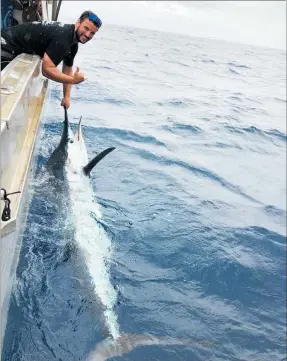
x=23 y=90
x=22 y=93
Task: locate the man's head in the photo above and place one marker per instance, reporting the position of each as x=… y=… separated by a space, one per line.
x=87 y=26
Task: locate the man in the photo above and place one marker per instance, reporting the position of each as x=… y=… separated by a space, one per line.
x=53 y=42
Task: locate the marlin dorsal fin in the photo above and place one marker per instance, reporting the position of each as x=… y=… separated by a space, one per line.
x=65 y=134
x=88 y=168
x=59 y=156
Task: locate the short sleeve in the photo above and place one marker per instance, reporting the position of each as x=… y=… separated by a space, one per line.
x=57 y=50
x=69 y=59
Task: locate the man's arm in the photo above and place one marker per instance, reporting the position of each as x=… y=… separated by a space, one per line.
x=50 y=71
x=68 y=70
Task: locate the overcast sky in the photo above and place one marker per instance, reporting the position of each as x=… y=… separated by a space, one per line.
x=251 y=22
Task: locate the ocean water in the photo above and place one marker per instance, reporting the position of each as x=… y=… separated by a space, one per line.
x=192 y=207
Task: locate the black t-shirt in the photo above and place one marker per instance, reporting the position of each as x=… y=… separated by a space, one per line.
x=51 y=37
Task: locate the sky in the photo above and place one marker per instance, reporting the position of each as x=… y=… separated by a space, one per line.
x=260 y=23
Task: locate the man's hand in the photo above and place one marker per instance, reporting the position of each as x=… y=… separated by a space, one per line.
x=78 y=76
x=50 y=71
x=66 y=102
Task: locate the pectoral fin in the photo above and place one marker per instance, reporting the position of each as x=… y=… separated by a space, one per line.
x=88 y=168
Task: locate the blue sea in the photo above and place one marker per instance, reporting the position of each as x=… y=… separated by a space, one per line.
x=193 y=204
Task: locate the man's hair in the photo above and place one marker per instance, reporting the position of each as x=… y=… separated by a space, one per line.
x=92 y=17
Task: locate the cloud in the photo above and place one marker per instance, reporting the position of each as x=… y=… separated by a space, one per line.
x=252 y=22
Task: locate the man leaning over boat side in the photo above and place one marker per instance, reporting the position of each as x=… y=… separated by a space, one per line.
x=53 y=42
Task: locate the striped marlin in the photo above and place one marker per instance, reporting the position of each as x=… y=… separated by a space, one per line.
x=69 y=161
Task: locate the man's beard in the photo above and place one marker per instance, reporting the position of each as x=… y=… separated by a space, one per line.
x=78 y=35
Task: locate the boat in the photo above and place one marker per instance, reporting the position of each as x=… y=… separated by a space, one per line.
x=23 y=92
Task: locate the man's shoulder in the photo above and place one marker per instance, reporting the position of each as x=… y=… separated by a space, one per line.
x=49 y=24
x=61 y=32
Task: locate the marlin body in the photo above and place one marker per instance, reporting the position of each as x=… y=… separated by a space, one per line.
x=69 y=162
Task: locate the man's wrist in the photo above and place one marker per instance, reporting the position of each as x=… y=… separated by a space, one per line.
x=72 y=80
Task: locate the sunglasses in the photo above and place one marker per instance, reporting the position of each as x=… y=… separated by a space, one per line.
x=93 y=17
